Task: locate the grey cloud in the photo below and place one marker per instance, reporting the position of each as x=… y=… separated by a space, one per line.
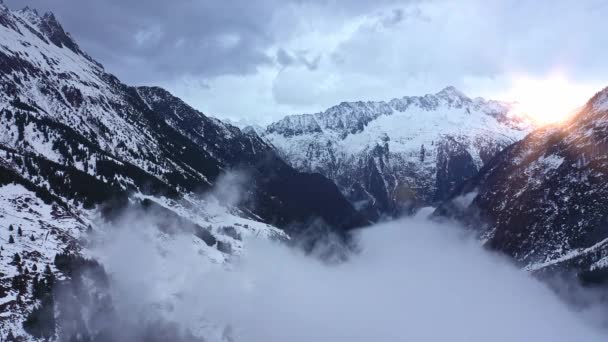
x=284 y=58
x=311 y=63
x=159 y=40
x=148 y=40
x=301 y=57
x=294 y=55
x=396 y=16
x=422 y=48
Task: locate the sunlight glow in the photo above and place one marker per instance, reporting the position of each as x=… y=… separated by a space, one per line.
x=549 y=100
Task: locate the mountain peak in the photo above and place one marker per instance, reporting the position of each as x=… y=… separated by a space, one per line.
x=51 y=27
x=30 y=15
x=28 y=9
x=599 y=102
x=50 y=19
x=451 y=92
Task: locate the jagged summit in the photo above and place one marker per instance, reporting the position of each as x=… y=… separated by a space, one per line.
x=45 y=24
x=452 y=92
x=413 y=149
x=55 y=32
x=30 y=11
x=351 y=117
x=31 y=16
x=599 y=101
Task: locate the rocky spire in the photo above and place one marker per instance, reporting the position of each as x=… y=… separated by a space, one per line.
x=51 y=28
x=451 y=92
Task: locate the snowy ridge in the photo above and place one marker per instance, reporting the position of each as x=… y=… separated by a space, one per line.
x=407 y=140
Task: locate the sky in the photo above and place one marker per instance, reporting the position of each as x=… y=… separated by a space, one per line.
x=257 y=61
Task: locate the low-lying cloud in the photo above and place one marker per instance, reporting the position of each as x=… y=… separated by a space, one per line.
x=411 y=280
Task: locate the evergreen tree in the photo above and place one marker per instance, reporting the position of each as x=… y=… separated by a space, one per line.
x=422 y=153
x=16 y=258
x=38 y=289
x=10 y=228
x=32 y=238
x=49 y=278
x=11 y=239
x=34 y=268
x=19 y=284
x=19 y=231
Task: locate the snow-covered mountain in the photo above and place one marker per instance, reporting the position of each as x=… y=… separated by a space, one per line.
x=78 y=147
x=407 y=152
x=543 y=200
x=58 y=103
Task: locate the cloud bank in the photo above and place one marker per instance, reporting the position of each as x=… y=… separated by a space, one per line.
x=412 y=280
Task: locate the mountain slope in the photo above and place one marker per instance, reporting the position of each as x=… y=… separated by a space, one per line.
x=61 y=104
x=79 y=150
x=542 y=200
x=408 y=152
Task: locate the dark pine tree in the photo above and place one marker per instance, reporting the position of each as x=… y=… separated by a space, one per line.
x=11 y=239
x=19 y=231
x=19 y=284
x=10 y=228
x=38 y=288
x=49 y=278
x=422 y=153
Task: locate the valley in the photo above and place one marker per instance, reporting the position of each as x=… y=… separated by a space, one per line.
x=127 y=214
